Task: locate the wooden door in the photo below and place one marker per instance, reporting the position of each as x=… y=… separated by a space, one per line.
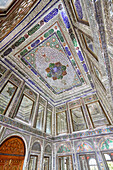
x=12 y=153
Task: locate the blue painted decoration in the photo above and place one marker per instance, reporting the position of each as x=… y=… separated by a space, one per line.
x=78 y=71
x=67 y=50
x=51 y=15
x=34 y=71
x=79 y=9
x=9 y=50
x=35 y=43
x=80 y=55
x=65 y=19
x=31 y=82
x=9 y=62
x=85 y=67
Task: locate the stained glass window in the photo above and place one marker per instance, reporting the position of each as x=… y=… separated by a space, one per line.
x=78 y=120
x=6 y=96
x=61 y=120
x=109 y=160
x=97 y=114
x=88 y=162
x=93 y=164
x=83 y=162
x=25 y=109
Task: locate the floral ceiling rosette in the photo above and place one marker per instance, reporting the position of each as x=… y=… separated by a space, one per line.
x=56 y=71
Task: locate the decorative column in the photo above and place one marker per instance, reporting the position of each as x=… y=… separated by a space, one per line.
x=42 y=156
x=45 y=113
x=53 y=122
x=26 y=161
x=73 y=156
x=35 y=111
x=18 y=94
x=68 y=118
x=54 y=157
x=90 y=126
x=98 y=155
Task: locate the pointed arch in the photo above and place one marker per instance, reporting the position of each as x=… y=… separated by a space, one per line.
x=84 y=147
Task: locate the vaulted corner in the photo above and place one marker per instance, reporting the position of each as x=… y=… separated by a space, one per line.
x=56 y=88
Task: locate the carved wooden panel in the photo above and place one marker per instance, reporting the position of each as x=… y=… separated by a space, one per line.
x=11 y=162
x=12 y=153
x=13 y=145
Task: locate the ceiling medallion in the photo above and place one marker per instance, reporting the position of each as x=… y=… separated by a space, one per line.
x=56 y=71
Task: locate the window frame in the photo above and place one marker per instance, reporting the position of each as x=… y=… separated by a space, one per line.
x=46 y=121
x=85 y=155
x=48 y=161
x=83 y=118
x=11 y=97
x=35 y=125
x=103 y=112
x=57 y=123
x=65 y=156
x=31 y=114
x=85 y=22
x=104 y=159
x=36 y=161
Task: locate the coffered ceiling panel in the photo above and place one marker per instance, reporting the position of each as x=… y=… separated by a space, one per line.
x=49 y=53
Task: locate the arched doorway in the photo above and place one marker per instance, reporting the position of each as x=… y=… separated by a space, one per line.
x=12 y=153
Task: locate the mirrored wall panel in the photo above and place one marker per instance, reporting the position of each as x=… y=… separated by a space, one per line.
x=49 y=122
x=61 y=122
x=40 y=117
x=78 y=120
x=33 y=162
x=25 y=109
x=6 y=96
x=97 y=114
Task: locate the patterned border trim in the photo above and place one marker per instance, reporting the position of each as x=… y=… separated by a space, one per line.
x=80 y=135
x=8 y=122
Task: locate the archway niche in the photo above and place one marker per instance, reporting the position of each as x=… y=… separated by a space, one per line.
x=12 y=153
x=36 y=147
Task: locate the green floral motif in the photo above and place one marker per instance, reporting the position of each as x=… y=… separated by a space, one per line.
x=20 y=41
x=48 y=33
x=107 y=144
x=63 y=149
x=24 y=52
x=34 y=29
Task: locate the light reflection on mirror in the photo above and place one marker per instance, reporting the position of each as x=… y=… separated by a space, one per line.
x=25 y=109
x=61 y=122
x=6 y=96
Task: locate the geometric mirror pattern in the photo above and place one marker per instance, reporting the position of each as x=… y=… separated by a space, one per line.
x=52 y=47
x=47 y=47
